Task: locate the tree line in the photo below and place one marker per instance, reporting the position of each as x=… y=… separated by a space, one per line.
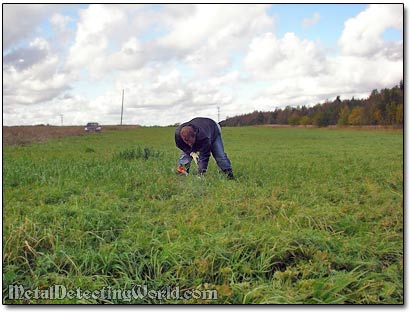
x=384 y=107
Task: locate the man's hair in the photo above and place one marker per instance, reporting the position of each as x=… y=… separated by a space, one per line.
x=187 y=132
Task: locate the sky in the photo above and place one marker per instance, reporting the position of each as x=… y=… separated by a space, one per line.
x=177 y=62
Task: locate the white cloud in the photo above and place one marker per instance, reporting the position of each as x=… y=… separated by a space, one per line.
x=132 y=55
x=362 y=35
x=60 y=21
x=162 y=90
x=21 y=21
x=165 y=89
x=365 y=74
x=206 y=39
x=35 y=82
x=74 y=110
x=311 y=21
x=62 y=33
x=272 y=58
x=97 y=24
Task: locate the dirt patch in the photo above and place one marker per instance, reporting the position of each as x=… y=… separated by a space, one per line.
x=21 y=135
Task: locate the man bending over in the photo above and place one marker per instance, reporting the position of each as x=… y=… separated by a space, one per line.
x=201 y=135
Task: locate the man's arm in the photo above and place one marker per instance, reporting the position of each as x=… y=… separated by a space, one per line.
x=205 y=152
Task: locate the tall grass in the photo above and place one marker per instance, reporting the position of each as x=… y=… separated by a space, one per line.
x=314 y=216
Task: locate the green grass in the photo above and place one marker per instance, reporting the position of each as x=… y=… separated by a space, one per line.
x=314 y=216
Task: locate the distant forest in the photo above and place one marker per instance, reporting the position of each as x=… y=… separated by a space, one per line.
x=384 y=107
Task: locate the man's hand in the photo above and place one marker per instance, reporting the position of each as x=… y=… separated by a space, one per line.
x=195 y=157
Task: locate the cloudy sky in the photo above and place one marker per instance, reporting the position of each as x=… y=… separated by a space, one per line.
x=176 y=62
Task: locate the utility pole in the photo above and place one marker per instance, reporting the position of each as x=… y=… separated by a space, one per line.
x=61 y=118
x=218 y=110
x=122 y=106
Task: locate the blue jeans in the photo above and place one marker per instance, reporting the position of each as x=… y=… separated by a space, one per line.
x=217 y=150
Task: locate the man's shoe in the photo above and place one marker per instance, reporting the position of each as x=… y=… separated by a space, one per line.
x=229 y=174
x=181 y=170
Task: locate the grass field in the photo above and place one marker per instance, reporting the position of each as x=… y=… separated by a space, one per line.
x=314 y=216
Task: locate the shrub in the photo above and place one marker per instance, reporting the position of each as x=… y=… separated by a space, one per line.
x=138 y=153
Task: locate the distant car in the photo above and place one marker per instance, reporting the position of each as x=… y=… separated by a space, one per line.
x=93 y=127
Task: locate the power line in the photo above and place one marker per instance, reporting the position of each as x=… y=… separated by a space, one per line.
x=122 y=106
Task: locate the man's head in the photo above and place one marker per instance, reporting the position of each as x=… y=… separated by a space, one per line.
x=188 y=135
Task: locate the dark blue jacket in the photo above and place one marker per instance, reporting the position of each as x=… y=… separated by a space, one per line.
x=206 y=131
